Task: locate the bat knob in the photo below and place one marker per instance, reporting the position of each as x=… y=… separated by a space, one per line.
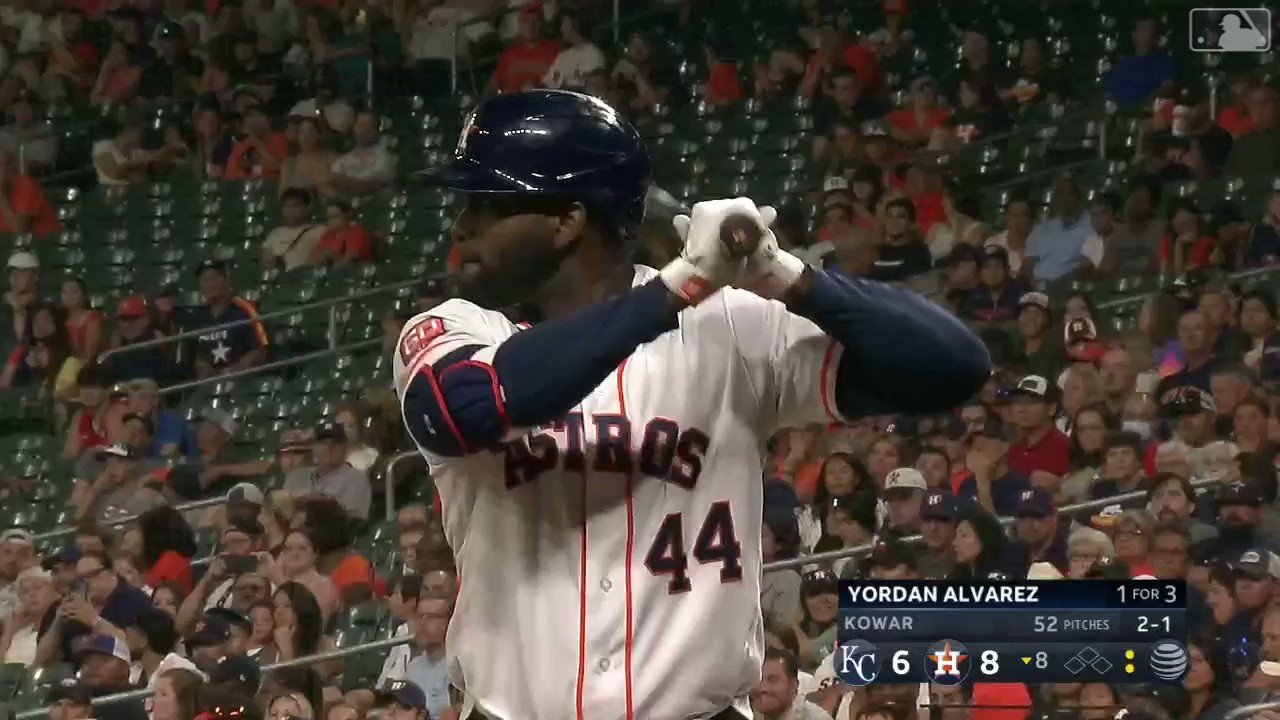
x=741 y=235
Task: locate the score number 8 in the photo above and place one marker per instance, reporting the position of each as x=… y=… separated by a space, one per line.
x=990 y=662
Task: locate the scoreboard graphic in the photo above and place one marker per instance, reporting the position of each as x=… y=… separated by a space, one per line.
x=1115 y=631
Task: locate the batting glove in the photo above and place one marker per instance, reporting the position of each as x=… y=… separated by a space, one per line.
x=705 y=265
x=771 y=271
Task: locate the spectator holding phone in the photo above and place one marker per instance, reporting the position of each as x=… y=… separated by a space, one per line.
x=99 y=602
x=236 y=577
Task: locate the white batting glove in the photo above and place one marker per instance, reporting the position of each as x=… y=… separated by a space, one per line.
x=771 y=271
x=705 y=264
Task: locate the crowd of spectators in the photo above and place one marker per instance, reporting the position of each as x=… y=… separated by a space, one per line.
x=1170 y=427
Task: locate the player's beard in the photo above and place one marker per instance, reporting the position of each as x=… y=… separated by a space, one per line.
x=517 y=277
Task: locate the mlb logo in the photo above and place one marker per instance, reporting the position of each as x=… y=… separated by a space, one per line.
x=1230 y=29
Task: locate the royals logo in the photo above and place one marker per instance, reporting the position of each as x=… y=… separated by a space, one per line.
x=857 y=662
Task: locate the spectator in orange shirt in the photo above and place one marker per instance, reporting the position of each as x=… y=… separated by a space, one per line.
x=1186 y=245
x=835 y=52
x=523 y=63
x=914 y=126
x=723 y=85
x=24 y=207
x=262 y=150
x=1234 y=116
x=346 y=241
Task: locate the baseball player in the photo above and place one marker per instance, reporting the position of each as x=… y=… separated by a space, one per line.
x=600 y=470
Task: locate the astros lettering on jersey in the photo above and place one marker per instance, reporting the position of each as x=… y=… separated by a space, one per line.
x=610 y=561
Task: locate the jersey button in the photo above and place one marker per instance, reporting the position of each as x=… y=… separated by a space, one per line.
x=605 y=585
x=604 y=664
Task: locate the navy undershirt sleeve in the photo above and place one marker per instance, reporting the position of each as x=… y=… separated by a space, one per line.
x=902 y=353
x=548 y=369
x=460 y=405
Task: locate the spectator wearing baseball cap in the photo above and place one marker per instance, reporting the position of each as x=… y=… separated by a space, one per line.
x=1192 y=412
x=1040 y=446
x=105 y=665
x=331 y=475
x=69 y=699
x=1041 y=534
x=1239 y=523
x=403 y=700
x=904 y=490
x=232 y=349
x=210 y=640
x=961 y=268
x=1255 y=580
x=295 y=449
x=989 y=480
x=819 y=608
x=133 y=326
x=235 y=674
x=170 y=438
x=21 y=297
x=523 y=63
x=1042 y=352
x=938 y=515
x=18 y=554
x=996 y=298
x=118 y=488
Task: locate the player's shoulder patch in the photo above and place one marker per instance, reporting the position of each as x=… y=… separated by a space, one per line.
x=418 y=335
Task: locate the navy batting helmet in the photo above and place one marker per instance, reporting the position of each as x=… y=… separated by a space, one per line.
x=553 y=142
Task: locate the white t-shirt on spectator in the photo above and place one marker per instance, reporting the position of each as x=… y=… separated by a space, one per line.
x=348 y=486
x=367 y=163
x=22 y=649
x=293 y=244
x=338 y=114
x=30 y=26
x=103 y=147
x=279 y=25
x=362 y=457
x=433 y=36
x=1093 y=249
x=220 y=595
x=1001 y=239
x=396 y=666
x=572 y=66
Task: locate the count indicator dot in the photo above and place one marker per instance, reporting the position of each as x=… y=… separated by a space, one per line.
x=1128 y=668
x=1128 y=654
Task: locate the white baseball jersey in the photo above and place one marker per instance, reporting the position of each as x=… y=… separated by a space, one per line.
x=610 y=561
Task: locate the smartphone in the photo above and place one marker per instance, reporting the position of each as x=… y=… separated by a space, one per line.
x=1145 y=383
x=240 y=564
x=81 y=588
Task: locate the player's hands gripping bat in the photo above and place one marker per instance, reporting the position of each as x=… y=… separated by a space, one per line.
x=719 y=237
x=770 y=271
